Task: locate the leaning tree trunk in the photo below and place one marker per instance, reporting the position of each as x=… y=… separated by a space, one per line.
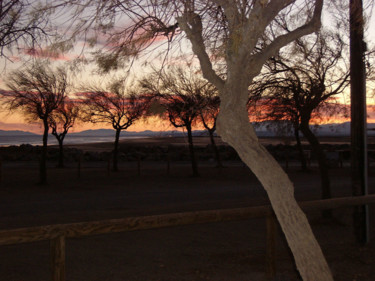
x=194 y=164
x=115 y=151
x=234 y=128
x=300 y=150
x=322 y=160
x=215 y=148
x=43 y=158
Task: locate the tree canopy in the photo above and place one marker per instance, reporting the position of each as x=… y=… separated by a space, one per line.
x=233 y=33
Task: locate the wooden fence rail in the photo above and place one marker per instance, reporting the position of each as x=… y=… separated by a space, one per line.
x=59 y=232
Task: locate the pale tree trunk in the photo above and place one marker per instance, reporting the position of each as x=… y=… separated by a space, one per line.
x=234 y=128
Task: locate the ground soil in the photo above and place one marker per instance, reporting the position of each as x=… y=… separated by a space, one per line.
x=216 y=251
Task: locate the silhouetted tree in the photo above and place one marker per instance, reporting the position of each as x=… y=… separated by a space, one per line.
x=286 y=117
x=300 y=85
x=37 y=91
x=209 y=111
x=117 y=106
x=180 y=95
x=60 y=122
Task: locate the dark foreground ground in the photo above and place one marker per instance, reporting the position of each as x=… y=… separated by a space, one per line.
x=218 y=251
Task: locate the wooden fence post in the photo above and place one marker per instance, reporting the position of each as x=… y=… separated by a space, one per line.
x=271 y=247
x=58 y=258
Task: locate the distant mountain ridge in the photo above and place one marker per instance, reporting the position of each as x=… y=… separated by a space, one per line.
x=146 y=133
x=14 y=133
x=275 y=128
x=263 y=129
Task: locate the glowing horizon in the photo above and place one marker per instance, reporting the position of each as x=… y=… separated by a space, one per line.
x=11 y=122
x=16 y=121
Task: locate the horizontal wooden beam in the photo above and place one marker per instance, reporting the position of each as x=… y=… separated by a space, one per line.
x=47 y=232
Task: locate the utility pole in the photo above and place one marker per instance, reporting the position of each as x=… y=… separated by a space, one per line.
x=358 y=119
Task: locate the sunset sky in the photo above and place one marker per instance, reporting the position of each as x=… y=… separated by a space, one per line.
x=15 y=121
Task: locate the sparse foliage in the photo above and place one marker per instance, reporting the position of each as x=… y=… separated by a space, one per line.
x=61 y=121
x=208 y=116
x=300 y=85
x=237 y=31
x=23 y=24
x=37 y=91
x=116 y=105
x=180 y=94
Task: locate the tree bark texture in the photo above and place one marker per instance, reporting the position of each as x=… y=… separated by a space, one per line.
x=194 y=164
x=234 y=128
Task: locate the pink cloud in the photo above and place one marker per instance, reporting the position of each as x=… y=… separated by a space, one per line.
x=44 y=53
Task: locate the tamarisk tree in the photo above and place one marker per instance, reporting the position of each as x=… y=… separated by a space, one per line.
x=300 y=84
x=37 y=90
x=245 y=53
x=117 y=106
x=180 y=95
x=233 y=33
x=209 y=111
x=23 y=24
x=60 y=122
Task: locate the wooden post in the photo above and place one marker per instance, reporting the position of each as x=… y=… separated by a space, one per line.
x=271 y=247
x=358 y=125
x=58 y=258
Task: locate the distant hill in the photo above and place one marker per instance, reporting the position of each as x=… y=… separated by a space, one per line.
x=147 y=133
x=276 y=128
x=95 y=133
x=263 y=129
x=15 y=133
